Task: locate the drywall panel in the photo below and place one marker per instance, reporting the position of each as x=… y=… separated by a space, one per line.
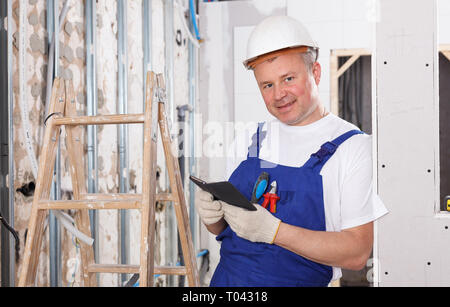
x=412 y=238
x=443 y=8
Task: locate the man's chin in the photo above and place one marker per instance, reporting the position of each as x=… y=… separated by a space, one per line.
x=287 y=119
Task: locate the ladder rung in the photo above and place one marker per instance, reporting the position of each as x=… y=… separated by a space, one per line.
x=125 y=196
x=100 y=120
x=113 y=268
x=132 y=268
x=89 y=204
x=165 y=197
x=170 y=270
x=112 y=196
x=101 y=201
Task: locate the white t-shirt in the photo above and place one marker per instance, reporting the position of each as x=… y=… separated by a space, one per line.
x=349 y=200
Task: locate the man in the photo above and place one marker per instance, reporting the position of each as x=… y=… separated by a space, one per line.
x=323 y=220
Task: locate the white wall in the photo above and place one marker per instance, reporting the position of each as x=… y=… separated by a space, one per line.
x=443 y=22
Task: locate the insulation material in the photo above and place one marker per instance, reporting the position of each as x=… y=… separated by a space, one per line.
x=72 y=66
x=108 y=220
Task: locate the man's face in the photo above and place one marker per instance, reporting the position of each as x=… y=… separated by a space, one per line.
x=289 y=90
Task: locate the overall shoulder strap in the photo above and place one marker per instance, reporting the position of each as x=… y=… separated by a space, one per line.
x=257 y=138
x=326 y=151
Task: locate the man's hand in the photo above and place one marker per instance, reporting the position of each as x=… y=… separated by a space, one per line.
x=210 y=210
x=255 y=226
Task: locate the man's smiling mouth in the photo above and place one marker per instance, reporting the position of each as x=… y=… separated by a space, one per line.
x=285 y=106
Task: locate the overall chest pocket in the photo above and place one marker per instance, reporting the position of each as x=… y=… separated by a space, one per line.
x=284 y=205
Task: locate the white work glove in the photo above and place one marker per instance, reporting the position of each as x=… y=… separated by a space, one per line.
x=210 y=210
x=255 y=226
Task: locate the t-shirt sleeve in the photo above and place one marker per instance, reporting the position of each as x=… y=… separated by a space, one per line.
x=359 y=203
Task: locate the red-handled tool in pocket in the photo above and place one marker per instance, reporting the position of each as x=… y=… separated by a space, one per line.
x=271 y=198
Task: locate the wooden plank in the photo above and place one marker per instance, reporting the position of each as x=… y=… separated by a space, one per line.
x=446 y=53
x=114 y=268
x=127 y=196
x=98 y=204
x=42 y=191
x=347 y=64
x=444 y=47
x=336 y=71
x=334 y=84
x=134 y=269
x=100 y=120
x=76 y=169
x=178 y=193
x=57 y=107
x=350 y=52
x=148 y=191
x=165 y=197
x=112 y=196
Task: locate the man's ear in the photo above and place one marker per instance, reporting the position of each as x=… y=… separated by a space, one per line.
x=317 y=72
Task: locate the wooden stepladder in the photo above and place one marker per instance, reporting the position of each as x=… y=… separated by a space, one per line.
x=63 y=113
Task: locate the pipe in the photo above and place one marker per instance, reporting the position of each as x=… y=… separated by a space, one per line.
x=51 y=52
x=169 y=58
x=192 y=79
x=7 y=208
x=171 y=238
x=181 y=161
x=91 y=108
x=11 y=138
x=192 y=9
x=122 y=108
x=180 y=10
x=53 y=25
x=147 y=41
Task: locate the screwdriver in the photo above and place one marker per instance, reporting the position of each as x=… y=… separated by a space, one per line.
x=260 y=187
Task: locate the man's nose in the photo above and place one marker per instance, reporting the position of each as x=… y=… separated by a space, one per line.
x=280 y=92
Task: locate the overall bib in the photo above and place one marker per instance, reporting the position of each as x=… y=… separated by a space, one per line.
x=247 y=264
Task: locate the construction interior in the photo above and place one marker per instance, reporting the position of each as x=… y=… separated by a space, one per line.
x=382 y=70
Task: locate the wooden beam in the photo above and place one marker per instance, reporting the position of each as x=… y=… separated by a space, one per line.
x=99 y=120
x=134 y=269
x=126 y=196
x=334 y=84
x=350 y=52
x=112 y=196
x=347 y=64
x=446 y=53
x=444 y=47
x=336 y=71
x=88 y=204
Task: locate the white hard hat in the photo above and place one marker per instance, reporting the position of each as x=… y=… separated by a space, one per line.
x=276 y=33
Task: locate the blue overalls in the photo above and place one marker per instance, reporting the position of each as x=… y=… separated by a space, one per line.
x=245 y=263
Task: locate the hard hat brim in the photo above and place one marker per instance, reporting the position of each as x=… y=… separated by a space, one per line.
x=250 y=64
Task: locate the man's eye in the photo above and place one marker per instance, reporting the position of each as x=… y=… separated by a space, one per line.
x=269 y=85
x=288 y=79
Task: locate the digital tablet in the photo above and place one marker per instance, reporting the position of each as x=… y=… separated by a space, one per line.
x=226 y=192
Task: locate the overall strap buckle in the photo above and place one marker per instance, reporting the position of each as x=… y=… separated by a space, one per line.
x=326 y=149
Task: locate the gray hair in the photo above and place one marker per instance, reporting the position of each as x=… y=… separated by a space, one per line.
x=310 y=57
